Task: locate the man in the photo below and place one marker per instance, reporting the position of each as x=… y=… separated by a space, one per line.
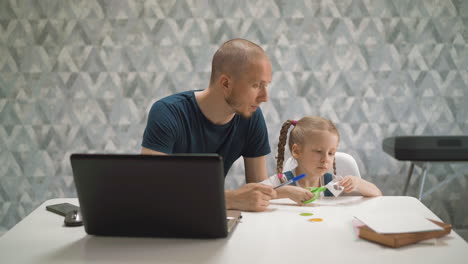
x=225 y=118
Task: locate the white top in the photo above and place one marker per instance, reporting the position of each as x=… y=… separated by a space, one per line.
x=273 y=180
x=259 y=238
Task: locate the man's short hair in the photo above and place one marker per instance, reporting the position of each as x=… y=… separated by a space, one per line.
x=234 y=57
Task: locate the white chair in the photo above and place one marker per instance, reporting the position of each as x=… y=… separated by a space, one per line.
x=345 y=165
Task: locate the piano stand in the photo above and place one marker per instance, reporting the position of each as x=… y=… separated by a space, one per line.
x=424 y=167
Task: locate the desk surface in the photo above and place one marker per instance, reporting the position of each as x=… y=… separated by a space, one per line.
x=279 y=235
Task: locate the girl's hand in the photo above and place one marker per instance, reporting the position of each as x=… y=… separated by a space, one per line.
x=350 y=183
x=297 y=194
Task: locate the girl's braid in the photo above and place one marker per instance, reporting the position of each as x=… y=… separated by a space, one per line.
x=334 y=166
x=281 y=143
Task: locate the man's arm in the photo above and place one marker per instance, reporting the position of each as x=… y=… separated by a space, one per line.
x=162 y=130
x=250 y=197
x=255 y=169
x=253 y=196
x=147 y=151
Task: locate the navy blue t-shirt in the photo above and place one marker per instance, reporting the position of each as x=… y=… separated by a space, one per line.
x=177 y=125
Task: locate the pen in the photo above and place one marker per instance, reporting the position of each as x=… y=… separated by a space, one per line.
x=295 y=179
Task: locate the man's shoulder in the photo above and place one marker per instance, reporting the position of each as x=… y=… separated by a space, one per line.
x=177 y=98
x=179 y=104
x=176 y=103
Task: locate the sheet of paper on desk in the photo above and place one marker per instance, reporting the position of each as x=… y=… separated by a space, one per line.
x=392 y=222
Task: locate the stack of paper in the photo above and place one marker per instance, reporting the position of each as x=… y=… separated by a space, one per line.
x=399 y=229
x=392 y=223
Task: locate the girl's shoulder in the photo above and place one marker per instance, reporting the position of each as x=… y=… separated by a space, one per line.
x=327 y=177
x=289 y=174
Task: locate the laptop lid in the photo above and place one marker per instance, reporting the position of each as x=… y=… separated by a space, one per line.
x=151 y=196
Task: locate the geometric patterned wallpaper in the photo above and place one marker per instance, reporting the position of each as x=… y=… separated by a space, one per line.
x=80 y=76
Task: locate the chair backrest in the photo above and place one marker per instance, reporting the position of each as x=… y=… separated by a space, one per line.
x=345 y=165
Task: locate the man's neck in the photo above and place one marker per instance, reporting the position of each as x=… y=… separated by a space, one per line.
x=213 y=106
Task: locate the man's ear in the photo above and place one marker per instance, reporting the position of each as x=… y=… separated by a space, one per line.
x=296 y=151
x=225 y=83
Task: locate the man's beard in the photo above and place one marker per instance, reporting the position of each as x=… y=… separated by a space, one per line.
x=232 y=102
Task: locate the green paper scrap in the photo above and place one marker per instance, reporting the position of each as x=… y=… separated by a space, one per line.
x=306 y=214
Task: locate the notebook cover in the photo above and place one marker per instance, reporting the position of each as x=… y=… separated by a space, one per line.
x=403 y=239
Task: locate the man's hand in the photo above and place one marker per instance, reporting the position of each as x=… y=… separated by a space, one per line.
x=250 y=197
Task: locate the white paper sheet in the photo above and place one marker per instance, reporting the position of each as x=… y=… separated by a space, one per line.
x=391 y=222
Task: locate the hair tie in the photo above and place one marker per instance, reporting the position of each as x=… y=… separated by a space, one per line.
x=280 y=176
x=294 y=122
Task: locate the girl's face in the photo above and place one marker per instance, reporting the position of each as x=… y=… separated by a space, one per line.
x=317 y=154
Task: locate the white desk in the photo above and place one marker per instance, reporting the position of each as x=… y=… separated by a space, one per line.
x=280 y=235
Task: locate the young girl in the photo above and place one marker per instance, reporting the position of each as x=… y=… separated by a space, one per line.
x=313 y=142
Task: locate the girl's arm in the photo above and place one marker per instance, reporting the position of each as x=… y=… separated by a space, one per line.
x=294 y=193
x=365 y=188
x=368 y=189
x=297 y=194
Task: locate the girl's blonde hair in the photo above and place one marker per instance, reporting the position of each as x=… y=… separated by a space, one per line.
x=299 y=133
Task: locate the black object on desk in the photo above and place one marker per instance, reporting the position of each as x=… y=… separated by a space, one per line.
x=178 y=195
x=73 y=218
x=422 y=149
x=62 y=208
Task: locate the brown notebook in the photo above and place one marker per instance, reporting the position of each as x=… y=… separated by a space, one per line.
x=403 y=239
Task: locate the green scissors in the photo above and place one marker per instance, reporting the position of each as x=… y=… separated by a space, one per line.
x=316 y=191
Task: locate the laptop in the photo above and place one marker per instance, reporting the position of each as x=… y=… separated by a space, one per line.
x=178 y=195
